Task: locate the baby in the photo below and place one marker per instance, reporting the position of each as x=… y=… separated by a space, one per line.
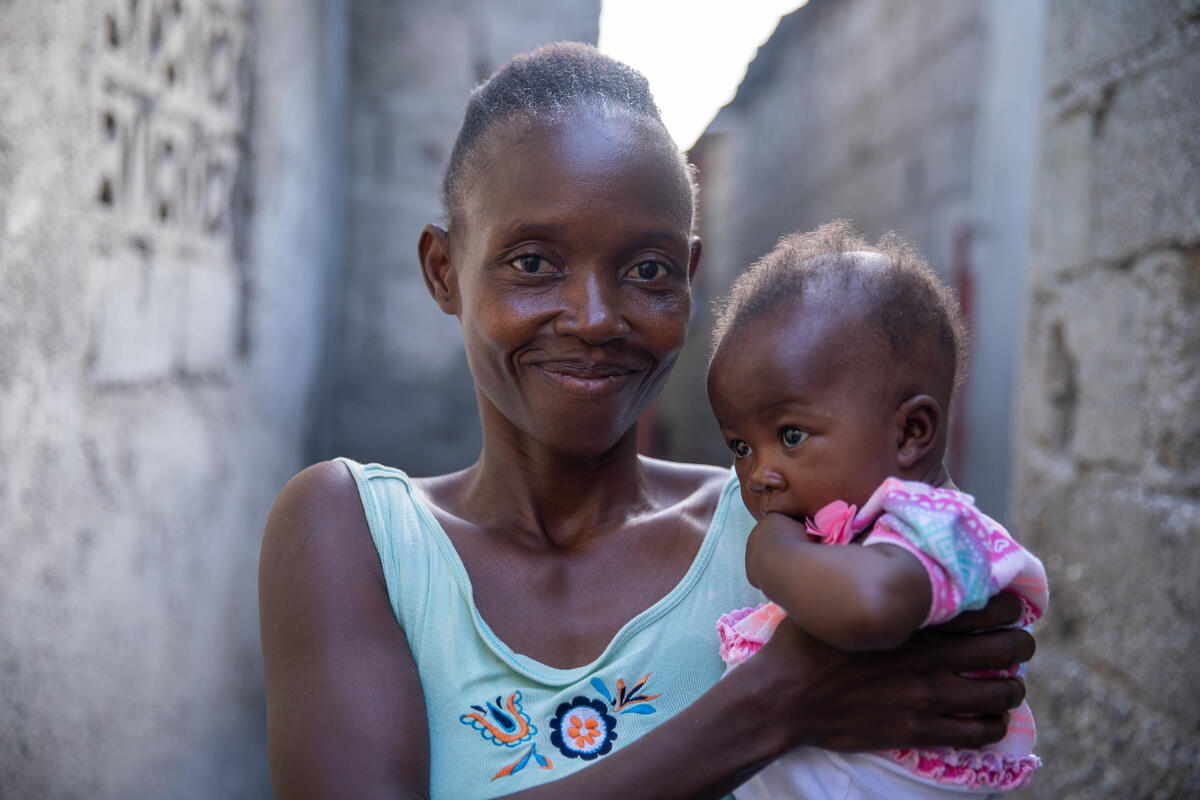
x=833 y=368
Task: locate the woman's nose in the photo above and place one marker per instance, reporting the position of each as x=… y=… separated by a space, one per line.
x=765 y=476
x=592 y=310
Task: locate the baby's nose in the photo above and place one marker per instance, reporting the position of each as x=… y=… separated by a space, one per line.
x=765 y=477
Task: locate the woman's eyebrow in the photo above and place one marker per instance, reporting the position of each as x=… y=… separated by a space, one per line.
x=530 y=230
x=670 y=237
x=558 y=231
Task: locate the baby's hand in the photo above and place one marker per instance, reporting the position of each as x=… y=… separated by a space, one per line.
x=770 y=537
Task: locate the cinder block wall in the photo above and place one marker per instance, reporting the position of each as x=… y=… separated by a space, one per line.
x=399 y=390
x=166 y=230
x=1108 y=411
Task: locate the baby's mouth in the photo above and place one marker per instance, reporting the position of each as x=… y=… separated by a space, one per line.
x=779 y=506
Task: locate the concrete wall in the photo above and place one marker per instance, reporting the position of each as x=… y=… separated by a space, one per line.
x=1108 y=475
x=399 y=380
x=168 y=219
x=918 y=117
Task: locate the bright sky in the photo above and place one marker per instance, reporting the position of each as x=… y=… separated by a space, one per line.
x=693 y=52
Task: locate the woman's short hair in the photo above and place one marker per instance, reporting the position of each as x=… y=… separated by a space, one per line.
x=543 y=84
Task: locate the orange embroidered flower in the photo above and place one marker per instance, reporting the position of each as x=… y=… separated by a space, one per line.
x=583 y=732
x=583 y=728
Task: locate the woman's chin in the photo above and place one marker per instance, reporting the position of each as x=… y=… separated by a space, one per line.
x=576 y=439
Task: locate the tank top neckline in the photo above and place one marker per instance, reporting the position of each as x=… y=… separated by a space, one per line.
x=556 y=676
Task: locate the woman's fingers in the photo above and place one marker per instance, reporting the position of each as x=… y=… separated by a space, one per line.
x=976 y=652
x=971 y=733
x=1002 y=610
x=985 y=697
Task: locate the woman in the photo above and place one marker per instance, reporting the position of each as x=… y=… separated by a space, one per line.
x=541 y=622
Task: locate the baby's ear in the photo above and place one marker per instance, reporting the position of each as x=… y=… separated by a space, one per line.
x=918 y=429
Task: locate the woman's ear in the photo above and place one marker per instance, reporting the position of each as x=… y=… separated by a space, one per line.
x=434 y=250
x=918 y=429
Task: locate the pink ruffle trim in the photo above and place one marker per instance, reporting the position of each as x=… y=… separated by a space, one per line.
x=745 y=631
x=970 y=768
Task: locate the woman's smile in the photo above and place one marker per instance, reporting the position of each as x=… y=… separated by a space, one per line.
x=592 y=379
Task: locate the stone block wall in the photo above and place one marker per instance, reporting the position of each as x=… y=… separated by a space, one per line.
x=398 y=376
x=166 y=235
x=1108 y=410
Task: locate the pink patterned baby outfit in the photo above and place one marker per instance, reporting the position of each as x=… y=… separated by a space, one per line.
x=969 y=558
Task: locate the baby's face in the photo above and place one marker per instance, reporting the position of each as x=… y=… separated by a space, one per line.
x=804 y=418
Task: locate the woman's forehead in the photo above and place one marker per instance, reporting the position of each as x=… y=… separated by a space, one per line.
x=579 y=158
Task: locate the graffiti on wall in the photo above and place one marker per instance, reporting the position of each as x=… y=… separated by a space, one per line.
x=171 y=90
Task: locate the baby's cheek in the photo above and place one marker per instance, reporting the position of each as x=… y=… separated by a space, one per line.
x=748 y=499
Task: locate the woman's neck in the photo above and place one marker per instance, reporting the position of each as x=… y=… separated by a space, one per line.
x=554 y=497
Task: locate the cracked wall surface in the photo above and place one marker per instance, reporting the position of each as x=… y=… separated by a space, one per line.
x=165 y=235
x=1108 y=407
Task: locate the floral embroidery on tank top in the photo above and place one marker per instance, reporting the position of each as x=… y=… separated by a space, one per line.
x=583 y=728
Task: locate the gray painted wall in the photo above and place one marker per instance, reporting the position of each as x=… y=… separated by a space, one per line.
x=168 y=219
x=1108 y=410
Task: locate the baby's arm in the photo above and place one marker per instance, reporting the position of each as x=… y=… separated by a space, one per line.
x=854 y=598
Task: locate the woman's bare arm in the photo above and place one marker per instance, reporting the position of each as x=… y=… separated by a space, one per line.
x=854 y=598
x=345 y=711
x=346 y=715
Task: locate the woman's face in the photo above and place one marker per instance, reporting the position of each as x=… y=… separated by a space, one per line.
x=570 y=271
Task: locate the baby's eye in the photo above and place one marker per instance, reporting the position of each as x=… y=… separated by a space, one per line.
x=531 y=264
x=649 y=270
x=791 y=436
x=740 y=448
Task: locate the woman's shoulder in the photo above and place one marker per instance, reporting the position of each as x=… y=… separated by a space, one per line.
x=316 y=531
x=682 y=484
x=324 y=488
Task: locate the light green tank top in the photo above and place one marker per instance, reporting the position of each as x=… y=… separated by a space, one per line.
x=499 y=721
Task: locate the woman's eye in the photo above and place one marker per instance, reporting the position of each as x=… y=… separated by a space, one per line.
x=649 y=270
x=791 y=436
x=531 y=264
x=739 y=447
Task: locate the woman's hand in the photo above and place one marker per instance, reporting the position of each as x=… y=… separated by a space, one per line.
x=915 y=695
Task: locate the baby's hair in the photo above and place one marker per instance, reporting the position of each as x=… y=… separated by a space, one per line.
x=545 y=83
x=900 y=293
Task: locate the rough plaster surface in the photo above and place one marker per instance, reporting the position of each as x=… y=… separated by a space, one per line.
x=399 y=378
x=157 y=342
x=1108 y=479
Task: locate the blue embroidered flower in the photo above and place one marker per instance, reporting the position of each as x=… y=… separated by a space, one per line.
x=628 y=701
x=501 y=728
x=583 y=729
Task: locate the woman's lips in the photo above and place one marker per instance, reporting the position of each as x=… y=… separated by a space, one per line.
x=588 y=378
